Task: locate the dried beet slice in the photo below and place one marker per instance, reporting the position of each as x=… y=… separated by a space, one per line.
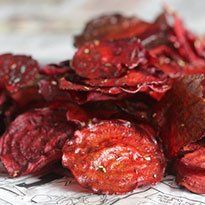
x=18 y=76
x=34 y=140
x=194 y=182
x=115 y=153
x=181 y=114
x=17 y=71
x=190 y=170
x=194 y=159
x=114 y=26
x=108 y=59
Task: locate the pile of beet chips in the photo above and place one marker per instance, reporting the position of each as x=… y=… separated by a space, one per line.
x=127 y=109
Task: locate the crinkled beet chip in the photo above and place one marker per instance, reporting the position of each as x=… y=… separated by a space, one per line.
x=190 y=169
x=34 y=140
x=18 y=75
x=114 y=26
x=108 y=59
x=117 y=157
x=181 y=114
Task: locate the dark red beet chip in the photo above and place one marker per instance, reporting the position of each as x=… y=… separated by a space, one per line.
x=108 y=59
x=181 y=114
x=17 y=71
x=111 y=27
x=34 y=140
x=117 y=157
x=190 y=170
x=18 y=76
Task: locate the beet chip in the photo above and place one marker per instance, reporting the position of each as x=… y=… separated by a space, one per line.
x=18 y=75
x=117 y=157
x=190 y=170
x=34 y=140
x=111 y=27
x=181 y=114
x=108 y=59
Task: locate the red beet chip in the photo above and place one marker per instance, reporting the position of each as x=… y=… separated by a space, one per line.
x=190 y=170
x=193 y=181
x=117 y=157
x=18 y=76
x=34 y=140
x=181 y=114
x=111 y=27
x=195 y=158
x=108 y=59
x=17 y=71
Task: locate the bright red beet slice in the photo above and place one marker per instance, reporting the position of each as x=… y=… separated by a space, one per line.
x=190 y=170
x=115 y=153
x=192 y=180
x=34 y=140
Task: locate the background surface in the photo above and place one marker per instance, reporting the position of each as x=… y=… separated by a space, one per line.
x=44 y=28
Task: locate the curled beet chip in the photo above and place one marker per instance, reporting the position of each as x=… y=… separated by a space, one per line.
x=34 y=140
x=181 y=114
x=108 y=59
x=115 y=153
x=111 y=27
x=190 y=169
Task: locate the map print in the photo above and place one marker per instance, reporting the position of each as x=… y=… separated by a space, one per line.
x=54 y=188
